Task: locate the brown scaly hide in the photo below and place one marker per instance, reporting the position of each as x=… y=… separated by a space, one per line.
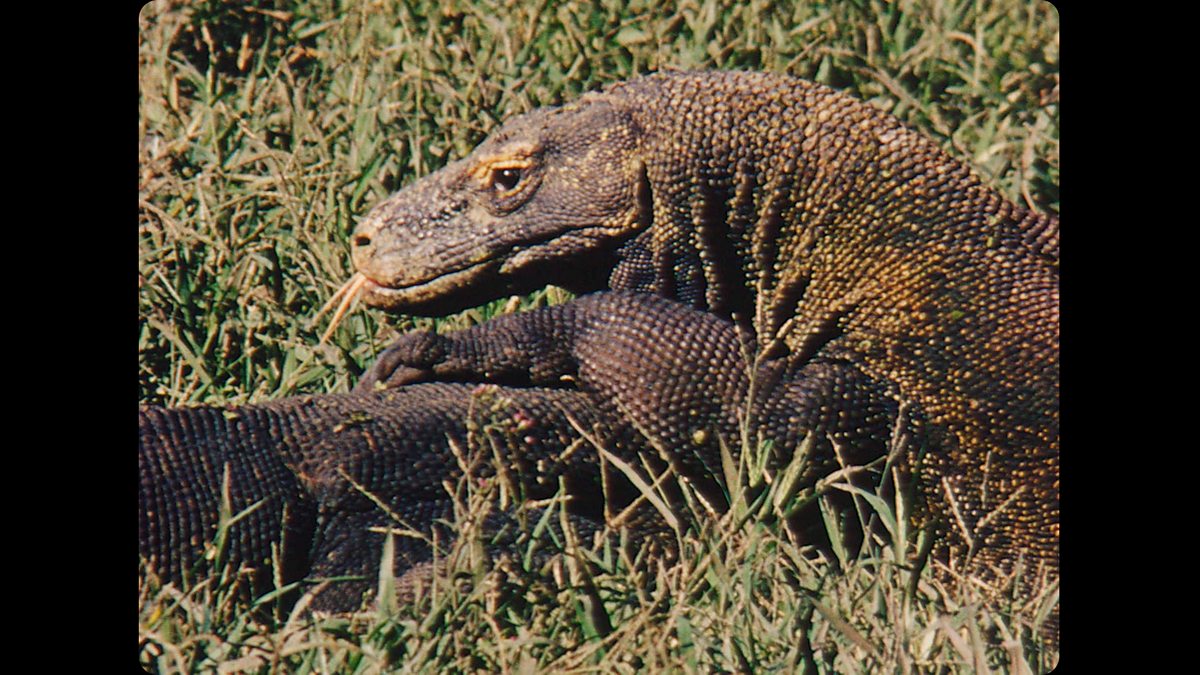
x=821 y=226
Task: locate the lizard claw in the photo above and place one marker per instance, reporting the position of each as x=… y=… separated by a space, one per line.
x=377 y=379
x=409 y=360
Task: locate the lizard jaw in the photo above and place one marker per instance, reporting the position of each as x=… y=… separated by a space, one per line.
x=448 y=292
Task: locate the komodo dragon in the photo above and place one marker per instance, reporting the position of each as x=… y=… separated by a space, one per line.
x=829 y=234
x=798 y=239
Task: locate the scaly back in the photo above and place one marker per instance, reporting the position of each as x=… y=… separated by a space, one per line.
x=822 y=225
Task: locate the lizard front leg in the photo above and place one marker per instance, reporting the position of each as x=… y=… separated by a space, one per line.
x=528 y=349
x=674 y=372
x=670 y=371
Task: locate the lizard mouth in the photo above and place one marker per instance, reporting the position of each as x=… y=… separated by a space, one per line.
x=437 y=296
x=416 y=297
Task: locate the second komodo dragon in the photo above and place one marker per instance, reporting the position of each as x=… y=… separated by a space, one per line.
x=777 y=253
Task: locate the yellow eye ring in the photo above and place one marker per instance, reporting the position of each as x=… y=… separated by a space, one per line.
x=503 y=175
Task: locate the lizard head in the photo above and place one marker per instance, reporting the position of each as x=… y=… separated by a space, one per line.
x=544 y=200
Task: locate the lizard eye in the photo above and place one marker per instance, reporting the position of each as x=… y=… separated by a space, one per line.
x=506 y=180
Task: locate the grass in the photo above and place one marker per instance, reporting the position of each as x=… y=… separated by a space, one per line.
x=267 y=130
x=266 y=133
x=741 y=596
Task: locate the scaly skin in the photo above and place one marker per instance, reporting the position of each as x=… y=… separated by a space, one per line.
x=821 y=227
x=306 y=458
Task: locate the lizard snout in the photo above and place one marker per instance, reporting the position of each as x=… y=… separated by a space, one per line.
x=364 y=248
